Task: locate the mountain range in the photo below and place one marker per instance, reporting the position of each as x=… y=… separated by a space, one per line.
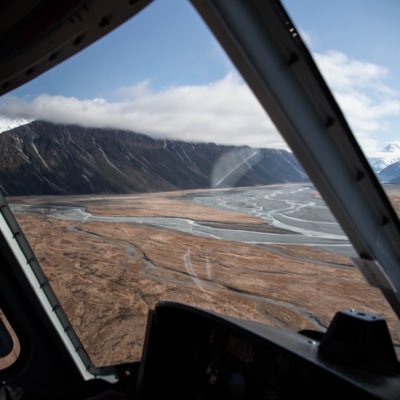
x=386 y=164
x=43 y=158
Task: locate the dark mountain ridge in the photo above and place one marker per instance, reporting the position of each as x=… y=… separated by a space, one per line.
x=390 y=174
x=44 y=158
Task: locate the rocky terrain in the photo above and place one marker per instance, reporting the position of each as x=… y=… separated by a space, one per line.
x=108 y=275
x=43 y=158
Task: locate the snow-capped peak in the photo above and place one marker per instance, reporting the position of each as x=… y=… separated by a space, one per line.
x=10 y=123
x=392 y=148
x=387 y=156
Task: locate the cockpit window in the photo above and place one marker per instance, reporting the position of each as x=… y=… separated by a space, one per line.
x=144 y=169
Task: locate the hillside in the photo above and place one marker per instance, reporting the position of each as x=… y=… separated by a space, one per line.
x=390 y=174
x=44 y=158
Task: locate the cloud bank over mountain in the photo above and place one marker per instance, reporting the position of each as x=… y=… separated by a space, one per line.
x=45 y=158
x=224 y=111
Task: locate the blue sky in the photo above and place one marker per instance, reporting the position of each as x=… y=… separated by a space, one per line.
x=364 y=29
x=167 y=43
x=357 y=40
x=163 y=73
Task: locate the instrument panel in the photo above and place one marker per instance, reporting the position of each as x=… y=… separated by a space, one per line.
x=195 y=354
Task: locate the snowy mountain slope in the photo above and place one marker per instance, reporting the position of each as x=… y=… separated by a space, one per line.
x=390 y=174
x=7 y=123
x=390 y=154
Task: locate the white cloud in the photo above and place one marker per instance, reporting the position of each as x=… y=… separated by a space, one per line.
x=224 y=111
x=362 y=92
x=308 y=40
x=345 y=73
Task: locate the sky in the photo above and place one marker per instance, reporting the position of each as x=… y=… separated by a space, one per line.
x=164 y=74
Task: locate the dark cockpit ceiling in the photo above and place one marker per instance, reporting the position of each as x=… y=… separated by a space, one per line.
x=36 y=35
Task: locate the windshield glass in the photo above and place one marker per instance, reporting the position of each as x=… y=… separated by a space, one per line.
x=356 y=50
x=143 y=169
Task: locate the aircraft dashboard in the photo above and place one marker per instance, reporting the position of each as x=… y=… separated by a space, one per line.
x=194 y=354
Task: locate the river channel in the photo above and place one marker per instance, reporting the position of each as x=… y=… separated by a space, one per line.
x=297 y=209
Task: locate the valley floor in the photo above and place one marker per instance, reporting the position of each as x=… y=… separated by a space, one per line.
x=108 y=270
